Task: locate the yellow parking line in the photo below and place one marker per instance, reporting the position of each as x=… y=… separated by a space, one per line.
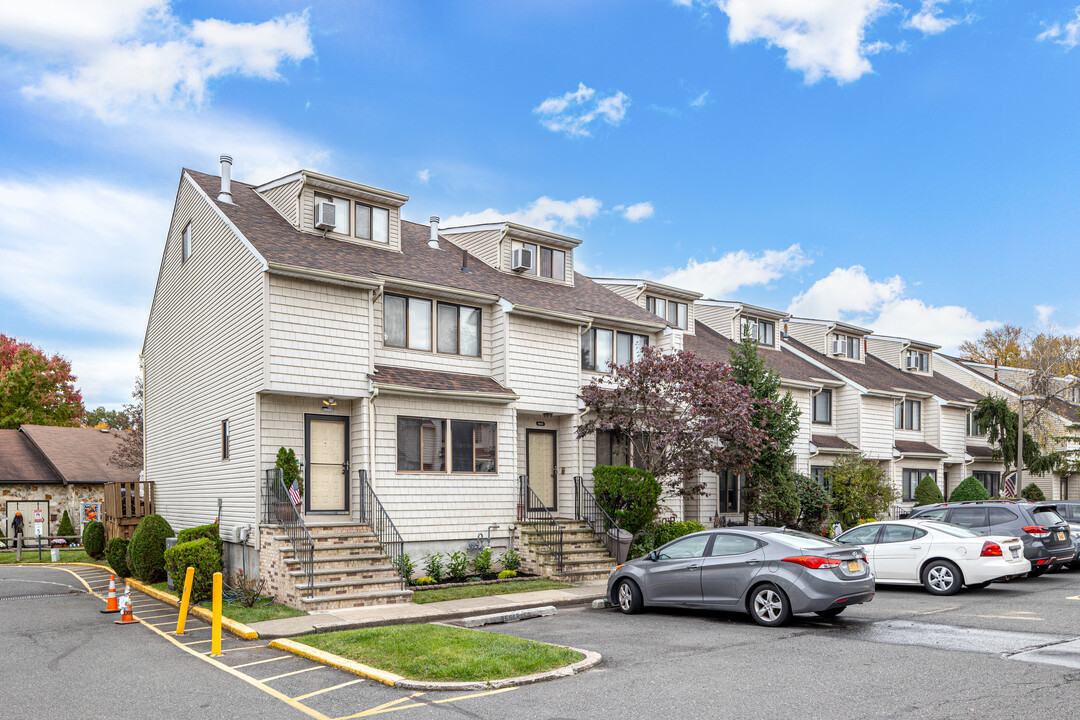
x=199 y=642
x=324 y=690
x=940 y=610
x=154 y=617
x=386 y=707
x=246 y=647
x=474 y=695
x=294 y=672
x=260 y=662
x=1074 y=597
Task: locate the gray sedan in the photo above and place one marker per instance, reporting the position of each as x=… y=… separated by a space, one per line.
x=770 y=573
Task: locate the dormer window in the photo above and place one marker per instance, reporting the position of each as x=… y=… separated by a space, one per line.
x=917 y=360
x=670 y=310
x=761 y=331
x=341 y=213
x=544 y=261
x=846 y=346
x=372 y=223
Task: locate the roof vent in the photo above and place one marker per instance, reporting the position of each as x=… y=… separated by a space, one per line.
x=433 y=243
x=226 y=180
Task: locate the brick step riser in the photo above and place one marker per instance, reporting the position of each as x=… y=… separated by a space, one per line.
x=324 y=540
x=337 y=529
x=383 y=586
x=332 y=552
x=347 y=575
x=342 y=561
x=585 y=577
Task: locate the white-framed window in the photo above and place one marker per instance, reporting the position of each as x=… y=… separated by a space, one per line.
x=846 y=346
x=917 y=360
x=225 y=439
x=603 y=349
x=371 y=223
x=909 y=415
x=912 y=478
x=185 y=243
x=761 y=331
x=546 y=262
x=822 y=408
x=342 y=211
x=676 y=313
x=422 y=445
x=973 y=427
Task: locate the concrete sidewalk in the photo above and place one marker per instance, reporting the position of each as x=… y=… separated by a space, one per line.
x=408 y=613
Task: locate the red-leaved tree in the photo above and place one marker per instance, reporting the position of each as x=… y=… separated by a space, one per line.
x=680 y=414
x=36 y=389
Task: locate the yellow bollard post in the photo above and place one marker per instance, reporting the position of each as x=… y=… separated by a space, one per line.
x=215 y=629
x=189 y=580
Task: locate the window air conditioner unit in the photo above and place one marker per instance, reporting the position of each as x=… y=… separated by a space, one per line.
x=839 y=347
x=913 y=363
x=522 y=259
x=325 y=216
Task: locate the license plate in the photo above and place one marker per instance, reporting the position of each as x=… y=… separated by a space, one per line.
x=1061 y=536
x=1016 y=552
x=853 y=566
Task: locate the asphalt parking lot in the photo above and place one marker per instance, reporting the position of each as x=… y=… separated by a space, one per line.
x=906 y=654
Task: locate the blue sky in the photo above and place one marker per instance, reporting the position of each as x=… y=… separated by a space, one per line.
x=909 y=165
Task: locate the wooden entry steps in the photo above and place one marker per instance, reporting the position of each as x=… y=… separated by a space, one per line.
x=584 y=556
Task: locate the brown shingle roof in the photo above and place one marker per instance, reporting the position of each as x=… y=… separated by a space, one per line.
x=980 y=451
x=710 y=345
x=915 y=447
x=279 y=242
x=80 y=456
x=432 y=380
x=20 y=463
x=831 y=442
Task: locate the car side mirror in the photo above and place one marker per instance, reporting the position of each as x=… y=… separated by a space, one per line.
x=654 y=555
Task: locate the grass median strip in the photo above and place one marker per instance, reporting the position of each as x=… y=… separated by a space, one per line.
x=30 y=555
x=475 y=591
x=443 y=654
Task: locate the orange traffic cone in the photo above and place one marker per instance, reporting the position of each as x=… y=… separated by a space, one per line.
x=110 y=603
x=127 y=616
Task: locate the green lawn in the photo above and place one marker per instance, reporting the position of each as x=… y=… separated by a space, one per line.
x=473 y=591
x=441 y=653
x=66 y=556
x=243 y=614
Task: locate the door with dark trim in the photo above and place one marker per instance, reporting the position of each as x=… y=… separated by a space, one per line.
x=326 y=472
x=540 y=461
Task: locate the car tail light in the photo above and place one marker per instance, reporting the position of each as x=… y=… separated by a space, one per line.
x=813 y=561
x=1037 y=531
x=990 y=549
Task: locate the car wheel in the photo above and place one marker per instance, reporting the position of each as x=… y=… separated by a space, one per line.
x=830 y=613
x=628 y=597
x=769 y=606
x=980 y=586
x=941 y=577
x=1038 y=572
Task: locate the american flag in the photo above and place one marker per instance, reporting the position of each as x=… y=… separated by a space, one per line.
x=1008 y=488
x=294 y=492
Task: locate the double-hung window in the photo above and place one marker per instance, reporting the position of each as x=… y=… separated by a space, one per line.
x=602 y=349
x=973 y=427
x=763 y=332
x=407 y=322
x=912 y=478
x=459 y=330
x=822 y=409
x=422 y=445
x=372 y=223
x=674 y=312
x=909 y=415
x=990 y=480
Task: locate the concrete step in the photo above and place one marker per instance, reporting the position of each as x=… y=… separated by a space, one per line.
x=348 y=573
x=322 y=551
x=357 y=585
x=334 y=538
x=322 y=560
x=579 y=576
x=356 y=599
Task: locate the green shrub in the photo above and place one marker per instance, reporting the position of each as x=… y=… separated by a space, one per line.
x=656 y=534
x=65 y=528
x=482 y=563
x=1033 y=493
x=859 y=489
x=630 y=496
x=425 y=580
x=116 y=552
x=969 y=489
x=927 y=492
x=457 y=565
x=506 y=574
x=814 y=504
x=147 y=549
x=290 y=469
x=200 y=554
x=433 y=566
x=210 y=531
x=404 y=566
x=93 y=539
x=510 y=560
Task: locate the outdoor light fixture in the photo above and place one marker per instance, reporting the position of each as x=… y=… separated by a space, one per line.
x=329 y=404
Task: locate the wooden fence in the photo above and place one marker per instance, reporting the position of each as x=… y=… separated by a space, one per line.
x=126 y=503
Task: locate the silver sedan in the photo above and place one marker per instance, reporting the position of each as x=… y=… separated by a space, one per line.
x=770 y=573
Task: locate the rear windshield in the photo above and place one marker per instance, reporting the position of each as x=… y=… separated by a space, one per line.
x=806 y=541
x=1047 y=516
x=954 y=530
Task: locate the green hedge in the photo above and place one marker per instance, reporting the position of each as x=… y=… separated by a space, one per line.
x=200 y=554
x=628 y=495
x=927 y=492
x=93 y=539
x=116 y=552
x=147 y=548
x=210 y=531
x=1033 y=493
x=657 y=534
x=969 y=489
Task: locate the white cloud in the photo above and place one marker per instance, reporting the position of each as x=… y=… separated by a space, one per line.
x=543 y=213
x=423 y=176
x=638 y=212
x=699 y=101
x=723 y=276
x=1044 y=313
x=1067 y=35
x=850 y=294
x=930 y=21
x=150 y=59
x=106 y=376
x=574 y=112
x=821 y=38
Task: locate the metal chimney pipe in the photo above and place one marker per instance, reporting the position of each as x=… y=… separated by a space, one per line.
x=433 y=243
x=226 y=180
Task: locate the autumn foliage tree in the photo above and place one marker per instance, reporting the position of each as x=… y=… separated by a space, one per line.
x=129 y=454
x=681 y=415
x=36 y=389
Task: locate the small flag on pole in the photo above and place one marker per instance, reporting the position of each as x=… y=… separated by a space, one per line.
x=1008 y=488
x=294 y=492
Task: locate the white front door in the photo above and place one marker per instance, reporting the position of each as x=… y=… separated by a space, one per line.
x=327 y=464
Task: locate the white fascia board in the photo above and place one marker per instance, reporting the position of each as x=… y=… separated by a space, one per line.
x=224 y=218
x=292 y=177
x=827 y=369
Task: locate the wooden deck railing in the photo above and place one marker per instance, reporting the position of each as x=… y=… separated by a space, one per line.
x=126 y=503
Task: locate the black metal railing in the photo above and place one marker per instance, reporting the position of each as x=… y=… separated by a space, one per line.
x=374 y=514
x=281 y=511
x=549 y=533
x=604 y=528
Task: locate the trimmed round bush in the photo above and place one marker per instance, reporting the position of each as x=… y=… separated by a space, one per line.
x=969 y=489
x=202 y=531
x=116 y=553
x=200 y=554
x=147 y=548
x=1033 y=493
x=93 y=539
x=927 y=492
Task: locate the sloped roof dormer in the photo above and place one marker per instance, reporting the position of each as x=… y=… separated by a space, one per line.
x=549 y=256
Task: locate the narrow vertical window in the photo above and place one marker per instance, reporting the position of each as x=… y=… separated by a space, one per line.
x=185 y=244
x=363 y=221
x=588 y=350
x=604 y=354
x=448 y=329
x=394 y=321
x=224 y=439
x=558 y=265
x=380 y=225
x=419 y=324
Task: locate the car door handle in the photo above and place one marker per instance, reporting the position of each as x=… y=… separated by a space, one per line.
x=691 y=567
x=916 y=547
x=752 y=562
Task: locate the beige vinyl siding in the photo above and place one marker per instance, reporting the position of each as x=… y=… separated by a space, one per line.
x=847 y=417
x=544 y=358
x=203 y=356
x=285 y=199
x=801 y=445
x=718 y=318
x=886 y=350
x=670 y=341
x=953 y=432
x=877 y=427
x=444 y=506
x=632 y=293
x=482 y=244
x=428 y=359
x=813 y=336
x=318 y=337
x=499 y=324
x=307 y=221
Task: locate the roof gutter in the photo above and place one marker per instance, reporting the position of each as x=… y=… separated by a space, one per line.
x=396 y=282
x=322 y=275
x=445 y=394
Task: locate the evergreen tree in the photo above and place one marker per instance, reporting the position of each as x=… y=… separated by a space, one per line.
x=770 y=486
